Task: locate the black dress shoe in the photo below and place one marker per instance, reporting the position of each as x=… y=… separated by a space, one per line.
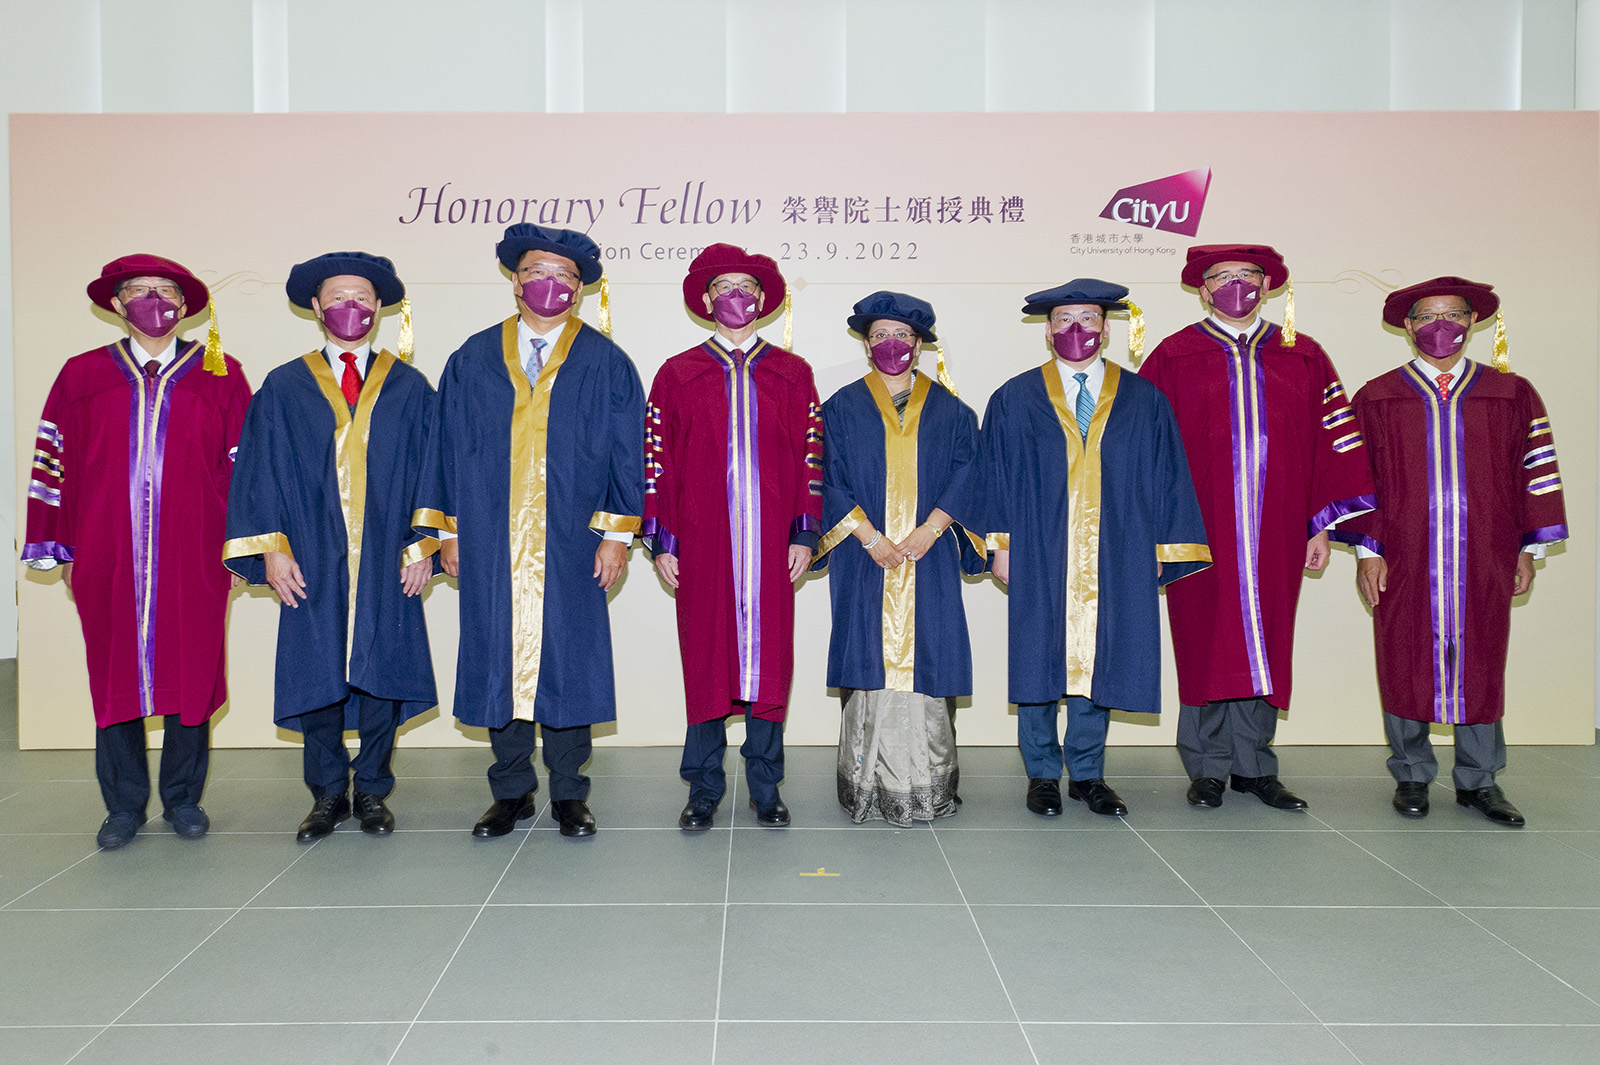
x=1098 y=796
x=1269 y=790
x=1206 y=793
x=1492 y=803
x=573 y=816
x=698 y=815
x=376 y=820
x=325 y=815
x=772 y=815
x=1044 y=796
x=1411 y=798
x=502 y=816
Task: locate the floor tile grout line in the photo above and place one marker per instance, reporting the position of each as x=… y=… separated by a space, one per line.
x=727 y=901
x=191 y=952
x=61 y=872
x=523 y=842
x=1246 y=944
x=976 y=927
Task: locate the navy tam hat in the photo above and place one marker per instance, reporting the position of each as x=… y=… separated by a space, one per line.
x=1082 y=290
x=524 y=237
x=307 y=277
x=896 y=307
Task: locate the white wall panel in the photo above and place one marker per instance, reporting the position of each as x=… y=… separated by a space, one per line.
x=177 y=55
x=416 y=55
x=915 y=55
x=1548 y=54
x=1070 y=55
x=643 y=55
x=1455 y=55
x=1285 y=55
x=786 y=57
x=1586 y=59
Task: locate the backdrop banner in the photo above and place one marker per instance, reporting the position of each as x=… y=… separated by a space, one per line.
x=992 y=207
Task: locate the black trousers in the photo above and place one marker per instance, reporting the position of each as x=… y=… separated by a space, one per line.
x=327 y=759
x=565 y=751
x=706 y=744
x=121 y=764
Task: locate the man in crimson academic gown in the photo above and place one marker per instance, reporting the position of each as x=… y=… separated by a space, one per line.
x=1277 y=458
x=1469 y=494
x=733 y=512
x=540 y=418
x=127 y=493
x=332 y=452
x=1091 y=511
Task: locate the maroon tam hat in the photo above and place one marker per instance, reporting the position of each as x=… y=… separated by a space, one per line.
x=722 y=259
x=115 y=272
x=1397 y=308
x=1202 y=257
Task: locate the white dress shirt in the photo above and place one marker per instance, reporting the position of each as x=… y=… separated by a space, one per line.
x=1096 y=370
x=335 y=348
x=166 y=356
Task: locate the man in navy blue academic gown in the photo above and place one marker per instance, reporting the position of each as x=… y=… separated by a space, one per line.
x=320 y=508
x=1091 y=510
x=541 y=419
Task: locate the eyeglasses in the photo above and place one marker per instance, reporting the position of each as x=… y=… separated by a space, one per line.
x=133 y=292
x=1082 y=317
x=538 y=270
x=905 y=336
x=722 y=288
x=1222 y=277
x=1433 y=316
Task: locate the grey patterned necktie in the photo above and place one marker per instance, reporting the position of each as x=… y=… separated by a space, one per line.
x=1085 y=405
x=536 y=359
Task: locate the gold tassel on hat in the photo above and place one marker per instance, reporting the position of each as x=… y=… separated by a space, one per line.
x=214 y=360
x=788 y=320
x=1135 y=332
x=1502 y=361
x=1288 y=318
x=944 y=377
x=407 y=342
x=605 y=305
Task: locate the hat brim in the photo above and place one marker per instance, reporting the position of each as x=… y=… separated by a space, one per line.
x=306 y=278
x=698 y=281
x=511 y=250
x=860 y=323
x=195 y=294
x=1398 y=306
x=1046 y=306
x=1277 y=271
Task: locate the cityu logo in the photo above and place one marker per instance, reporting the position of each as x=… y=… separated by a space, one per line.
x=1171 y=203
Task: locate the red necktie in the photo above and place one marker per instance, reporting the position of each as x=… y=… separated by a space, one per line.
x=1444 y=387
x=351 y=384
x=152 y=368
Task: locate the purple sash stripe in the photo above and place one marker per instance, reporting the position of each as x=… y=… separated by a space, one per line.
x=1339 y=510
x=1247 y=385
x=744 y=510
x=1547 y=534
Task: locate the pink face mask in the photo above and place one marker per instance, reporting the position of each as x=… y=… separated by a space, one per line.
x=1237 y=299
x=892 y=356
x=1075 y=343
x=152 y=315
x=349 y=321
x=1441 y=339
x=734 y=309
x=547 y=297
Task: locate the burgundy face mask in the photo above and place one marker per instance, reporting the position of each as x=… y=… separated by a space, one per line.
x=1075 y=343
x=547 y=297
x=349 y=321
x=152 y=315
x=1237 y=299
x=734 y=309
x=892 y=356
x=1441 y=339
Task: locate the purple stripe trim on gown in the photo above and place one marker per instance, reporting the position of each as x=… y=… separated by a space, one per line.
x=1356 y=540
x=1247 y=392
x=1544 y=535
x=1338 y=510
x=744 y=510
x=51 y=549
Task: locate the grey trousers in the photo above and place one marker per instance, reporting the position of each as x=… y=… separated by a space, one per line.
x=1480 y=752
x=1228 y=736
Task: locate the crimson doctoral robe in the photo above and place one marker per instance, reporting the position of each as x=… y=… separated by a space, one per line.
x=733 y=476
x=1463 y=486
x=1276 y=457
x=130 y=484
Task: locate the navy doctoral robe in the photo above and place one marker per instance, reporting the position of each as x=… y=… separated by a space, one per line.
x=1126 y=503
x=301 y=447
x=861 y=482
x=535 y=632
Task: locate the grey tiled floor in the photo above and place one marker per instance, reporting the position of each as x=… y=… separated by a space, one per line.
x=1172 y=935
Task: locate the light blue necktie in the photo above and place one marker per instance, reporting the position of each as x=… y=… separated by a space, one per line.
x=536 y=360
x=1085 y=405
